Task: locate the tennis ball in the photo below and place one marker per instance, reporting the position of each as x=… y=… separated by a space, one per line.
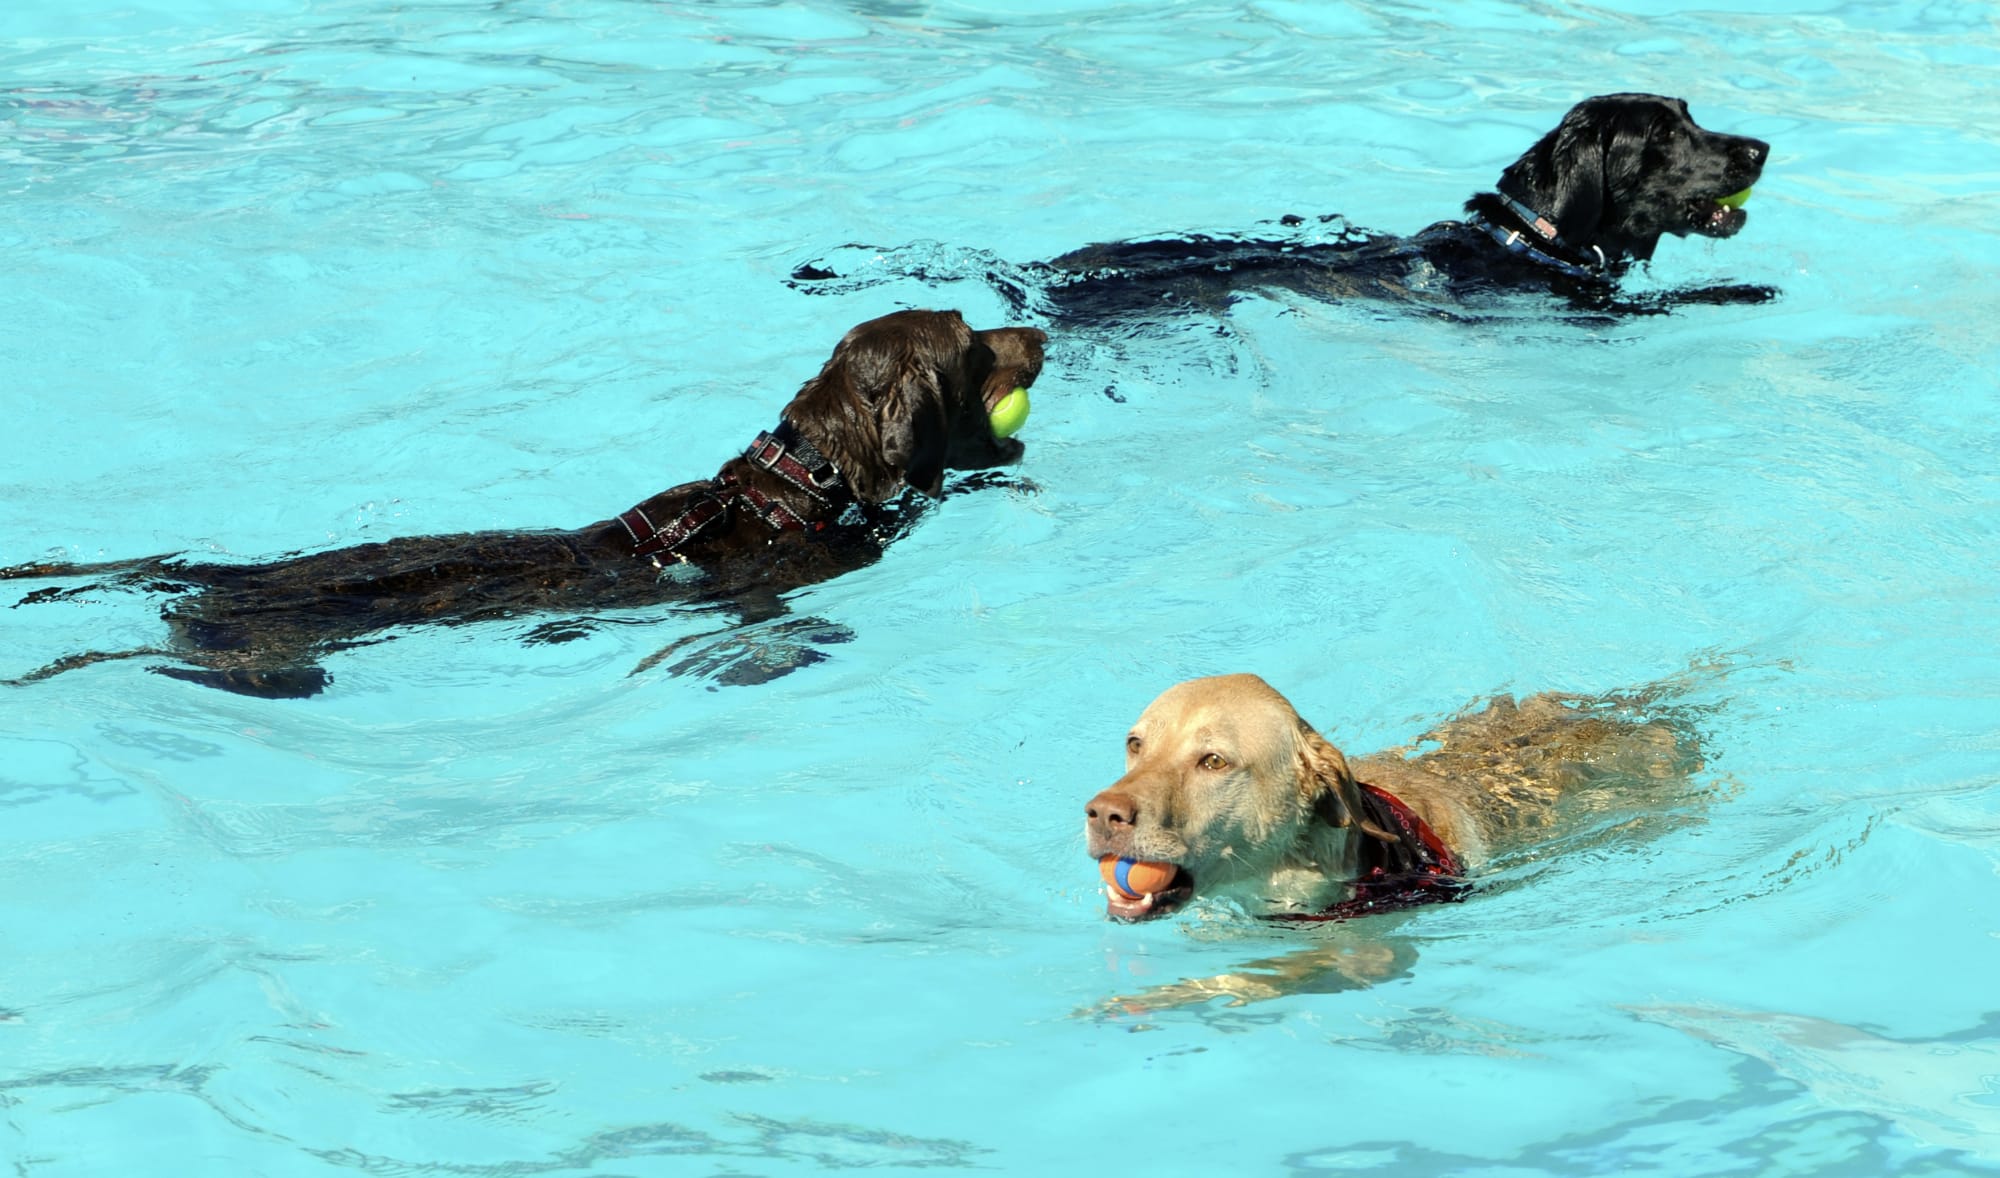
x=1134 y=879
x=1734 y=200
x=1010 y=414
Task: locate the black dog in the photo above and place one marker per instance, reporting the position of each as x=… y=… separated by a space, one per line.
x=903 y=399
x=1569 y=217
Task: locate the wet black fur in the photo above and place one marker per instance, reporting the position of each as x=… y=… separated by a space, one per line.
x=1618 y=173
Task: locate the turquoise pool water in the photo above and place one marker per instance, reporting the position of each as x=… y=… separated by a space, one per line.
x=287 y=275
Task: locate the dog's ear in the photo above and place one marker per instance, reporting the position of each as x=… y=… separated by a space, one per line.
x=1334 y=794
x=1581 y=174
x=1562 y=176
x=877 y=408
x=1624 y=167
x=916 y=433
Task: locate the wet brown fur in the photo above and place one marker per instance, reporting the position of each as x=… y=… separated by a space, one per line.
x=902 y=399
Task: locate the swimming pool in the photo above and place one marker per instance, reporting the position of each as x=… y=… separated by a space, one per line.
x=288 y=275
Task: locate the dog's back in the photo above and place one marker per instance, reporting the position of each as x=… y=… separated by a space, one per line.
x=1568 y=218
x=1512 y=772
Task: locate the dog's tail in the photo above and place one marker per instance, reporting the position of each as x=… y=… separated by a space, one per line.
x=71 y=662
x=36 y=570
x=156 y=574
x=283 y=682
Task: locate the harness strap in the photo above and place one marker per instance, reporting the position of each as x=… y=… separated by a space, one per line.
x=791 y=456
x=1436 y=858
x=771 y=511
x=786 y=453
x=1417 y=869
x=649 y=539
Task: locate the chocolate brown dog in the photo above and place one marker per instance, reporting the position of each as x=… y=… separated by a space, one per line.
x=903 y=399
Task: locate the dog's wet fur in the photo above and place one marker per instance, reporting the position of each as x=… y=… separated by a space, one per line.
x=1227 y=782
x=1618 y=173
x=1224 y=780
x=903 y=399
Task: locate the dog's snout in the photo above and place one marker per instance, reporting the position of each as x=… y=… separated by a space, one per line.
x=1753 y=152
x=1111 y=815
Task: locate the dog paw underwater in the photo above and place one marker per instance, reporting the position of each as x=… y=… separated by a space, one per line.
x=845 y=471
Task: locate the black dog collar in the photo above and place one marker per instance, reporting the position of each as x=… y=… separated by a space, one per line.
x=1518 y=241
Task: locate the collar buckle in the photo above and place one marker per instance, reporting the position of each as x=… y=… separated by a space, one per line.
x=766 y=451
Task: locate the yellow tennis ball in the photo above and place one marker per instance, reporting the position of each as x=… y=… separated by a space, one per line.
x=1134 y=879
x=1010 y=414
x=1734 y=200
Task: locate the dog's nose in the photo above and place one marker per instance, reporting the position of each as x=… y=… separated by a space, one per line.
x=1110 y=815
x=1753 y=151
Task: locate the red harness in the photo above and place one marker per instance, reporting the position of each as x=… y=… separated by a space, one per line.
x=784 y=452
x=1415 y=870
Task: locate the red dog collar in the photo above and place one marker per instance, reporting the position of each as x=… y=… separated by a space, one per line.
x=784 y=452
x=1415 y=870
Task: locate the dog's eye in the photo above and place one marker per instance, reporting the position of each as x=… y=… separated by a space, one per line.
x=1212 y=762
x=1132 y=744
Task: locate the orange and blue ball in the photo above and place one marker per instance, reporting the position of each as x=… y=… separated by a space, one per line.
x=1135 y=879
